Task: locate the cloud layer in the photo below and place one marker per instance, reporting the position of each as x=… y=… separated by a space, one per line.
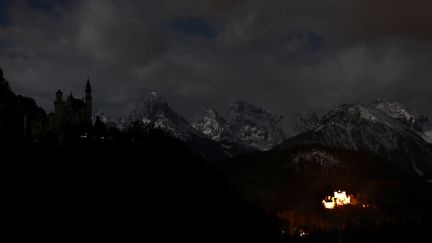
x=287 y=56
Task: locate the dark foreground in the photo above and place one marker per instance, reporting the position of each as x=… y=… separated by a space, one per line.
x=147 y=187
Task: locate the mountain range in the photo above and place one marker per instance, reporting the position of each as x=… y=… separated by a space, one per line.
x=385 y=128
x=244 y=124
x=238 y=129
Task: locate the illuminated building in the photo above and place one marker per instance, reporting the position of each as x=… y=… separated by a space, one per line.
x=339 y=199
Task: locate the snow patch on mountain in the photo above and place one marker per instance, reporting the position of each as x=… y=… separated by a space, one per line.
x=365 y=114
x=211 y=125
x=395 y=110
x=307 y=161
x=423 y=127
x=244 y=124
x=427 y=136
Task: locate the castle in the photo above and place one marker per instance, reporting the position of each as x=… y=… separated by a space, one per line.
x=339 y=199
x=72 y=113
x=21 y=117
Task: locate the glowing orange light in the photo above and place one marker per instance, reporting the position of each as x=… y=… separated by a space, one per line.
x=329 y=202
x=339 y=199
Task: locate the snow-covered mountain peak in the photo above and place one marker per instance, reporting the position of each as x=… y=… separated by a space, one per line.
x=154 y=94
x=246 y=112
x=210 y=113
x=152 y=106
x=153 y=110
x=245 y=107
x=391 y=114
x=211 y=125
x=155 y=97
x=253 y=126
x=244 y=124
x=394 y=109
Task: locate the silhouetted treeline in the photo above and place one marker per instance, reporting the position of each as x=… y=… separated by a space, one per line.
x=20 y=116
x=143 y=185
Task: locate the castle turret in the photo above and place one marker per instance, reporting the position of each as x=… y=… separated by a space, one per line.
x=58 y=102
x=88 y=89
x=59 y=105
x=89 y=100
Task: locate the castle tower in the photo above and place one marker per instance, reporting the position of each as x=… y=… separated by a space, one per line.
x=89 y=101
x=59 y=105
x=58 y=102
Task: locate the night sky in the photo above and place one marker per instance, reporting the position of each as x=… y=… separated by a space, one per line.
x=286 y=56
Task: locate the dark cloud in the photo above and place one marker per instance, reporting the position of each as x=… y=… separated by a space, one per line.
x=4 y=18
x=50 y=6
x=287 y=56
x=193 y=26
x=393 y=18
